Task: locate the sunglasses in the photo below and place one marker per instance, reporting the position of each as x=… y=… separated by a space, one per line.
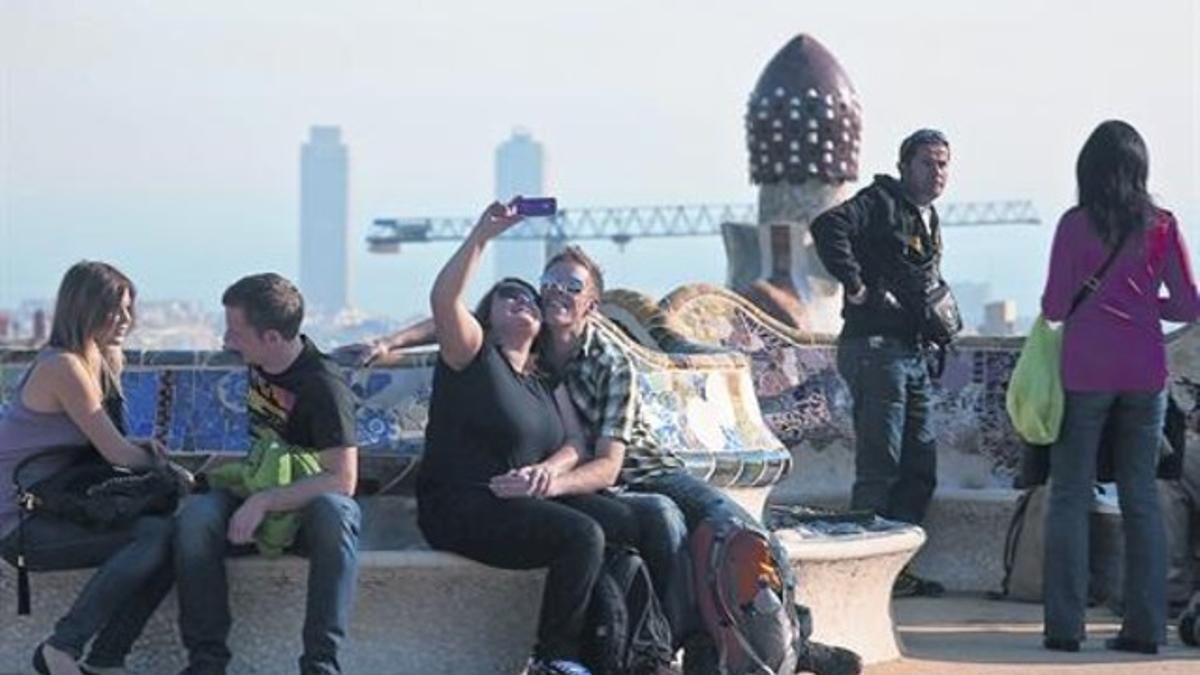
x=517 y=293
x=570 y=285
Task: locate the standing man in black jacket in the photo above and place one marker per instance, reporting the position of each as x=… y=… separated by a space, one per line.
x=884 y=246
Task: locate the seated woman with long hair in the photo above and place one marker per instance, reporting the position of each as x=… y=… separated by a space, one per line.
x=70 y=398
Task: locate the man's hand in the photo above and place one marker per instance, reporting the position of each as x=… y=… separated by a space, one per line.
x=535 y=480
x=247 y=519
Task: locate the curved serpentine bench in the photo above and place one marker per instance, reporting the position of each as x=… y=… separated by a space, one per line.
x=806 y=404
x=846 y=580
x=418 y=611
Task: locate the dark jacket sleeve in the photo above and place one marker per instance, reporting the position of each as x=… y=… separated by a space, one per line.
x=834 y=232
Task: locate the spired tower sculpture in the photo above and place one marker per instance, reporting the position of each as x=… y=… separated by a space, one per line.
x=803 y=126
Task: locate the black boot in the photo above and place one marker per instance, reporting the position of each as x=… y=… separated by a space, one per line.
x=824 y=659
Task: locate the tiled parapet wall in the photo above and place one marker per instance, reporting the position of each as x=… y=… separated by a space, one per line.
x=195 y=403
x=806 y=404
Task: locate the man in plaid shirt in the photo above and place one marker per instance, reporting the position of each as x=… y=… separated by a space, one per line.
x=602 y=383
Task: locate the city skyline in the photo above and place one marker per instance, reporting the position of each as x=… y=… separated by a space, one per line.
x=163 y=139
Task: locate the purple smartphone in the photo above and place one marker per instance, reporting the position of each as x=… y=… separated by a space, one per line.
x=536 y=206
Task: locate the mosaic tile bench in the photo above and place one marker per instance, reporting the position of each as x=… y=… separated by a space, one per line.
x=413 y=604
x=806 y=405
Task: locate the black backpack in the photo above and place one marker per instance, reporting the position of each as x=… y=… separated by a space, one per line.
x=627 y=632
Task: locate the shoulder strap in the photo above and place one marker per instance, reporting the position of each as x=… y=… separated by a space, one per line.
x=1092 y=283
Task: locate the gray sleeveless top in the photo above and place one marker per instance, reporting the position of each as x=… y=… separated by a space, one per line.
x=25 y=432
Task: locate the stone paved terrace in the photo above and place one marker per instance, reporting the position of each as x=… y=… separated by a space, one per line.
x=968 y=634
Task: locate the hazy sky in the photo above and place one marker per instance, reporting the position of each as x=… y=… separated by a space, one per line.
x=165 y=136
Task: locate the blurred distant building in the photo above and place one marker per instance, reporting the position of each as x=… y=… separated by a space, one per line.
x=520 y=170
x=324 y=235
x=972 y=296
x=40 y=327
x=999 y=318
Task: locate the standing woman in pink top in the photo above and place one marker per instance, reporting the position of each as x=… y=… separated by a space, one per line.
x=1113 y=366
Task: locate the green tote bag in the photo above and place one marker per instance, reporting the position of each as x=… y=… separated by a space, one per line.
x=1035 y=397
x=1035 y=392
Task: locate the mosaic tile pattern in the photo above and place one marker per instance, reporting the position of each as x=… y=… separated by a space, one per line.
x=195 y=402
x=703 y=406
x=807 y=405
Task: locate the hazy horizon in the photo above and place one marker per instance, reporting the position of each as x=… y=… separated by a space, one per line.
x=166 y=138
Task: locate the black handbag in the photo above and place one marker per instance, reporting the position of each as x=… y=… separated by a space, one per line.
x=90 y=492
x=1035 y=459
x=940 y=320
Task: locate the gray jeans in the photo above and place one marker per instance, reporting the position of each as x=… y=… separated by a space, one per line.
x=1139 y=418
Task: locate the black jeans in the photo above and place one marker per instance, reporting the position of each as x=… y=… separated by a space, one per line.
x=328 y=537
x=134 y=574
x=895 y=452
x=565 y=535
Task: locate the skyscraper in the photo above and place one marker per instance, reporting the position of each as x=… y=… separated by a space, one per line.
x=324 y=237
x=519 y=171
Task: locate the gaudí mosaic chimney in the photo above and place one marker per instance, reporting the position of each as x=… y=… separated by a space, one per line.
x=803 y=126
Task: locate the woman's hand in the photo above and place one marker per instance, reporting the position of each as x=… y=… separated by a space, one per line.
x=183 y=478
x=496 y=218
x=361 y=354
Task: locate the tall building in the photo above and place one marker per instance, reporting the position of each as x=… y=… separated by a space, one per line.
x=520 y=163
x=324 y=236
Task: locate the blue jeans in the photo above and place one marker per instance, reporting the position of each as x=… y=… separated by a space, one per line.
x=895 y=452
x=328 y=537
x=1138 y=417
x=663 y=544
x=134 y=574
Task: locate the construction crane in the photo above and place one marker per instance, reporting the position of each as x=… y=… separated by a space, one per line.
x=622 y=224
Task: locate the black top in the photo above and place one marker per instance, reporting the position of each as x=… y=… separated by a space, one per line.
x=484 y=420
x=308 y=405
x=878 y=238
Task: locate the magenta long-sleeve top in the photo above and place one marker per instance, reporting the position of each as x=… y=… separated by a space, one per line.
x=1114 y=340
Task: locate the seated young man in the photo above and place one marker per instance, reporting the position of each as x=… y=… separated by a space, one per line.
x=296 y=398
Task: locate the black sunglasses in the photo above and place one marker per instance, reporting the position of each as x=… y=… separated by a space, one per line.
x=517 y=292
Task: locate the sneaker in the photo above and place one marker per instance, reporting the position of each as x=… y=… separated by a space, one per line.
x=557 y=667
x=909 y=585
x=824 y=659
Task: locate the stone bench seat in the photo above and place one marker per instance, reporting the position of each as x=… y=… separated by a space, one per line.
x=419 y=611
x=846 y=581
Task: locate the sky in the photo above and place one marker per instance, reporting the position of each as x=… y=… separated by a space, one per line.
x=165 y=137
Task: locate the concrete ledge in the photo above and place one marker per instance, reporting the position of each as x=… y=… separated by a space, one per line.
x=416 y=612
x=965 y=531
x=847 y=583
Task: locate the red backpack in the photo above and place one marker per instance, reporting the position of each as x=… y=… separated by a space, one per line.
x=746 y=598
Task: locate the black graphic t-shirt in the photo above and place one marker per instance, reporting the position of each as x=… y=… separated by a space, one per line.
x=308 y=405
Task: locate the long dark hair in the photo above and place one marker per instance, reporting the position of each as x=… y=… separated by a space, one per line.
x=88 y=296
x=1111 y=174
